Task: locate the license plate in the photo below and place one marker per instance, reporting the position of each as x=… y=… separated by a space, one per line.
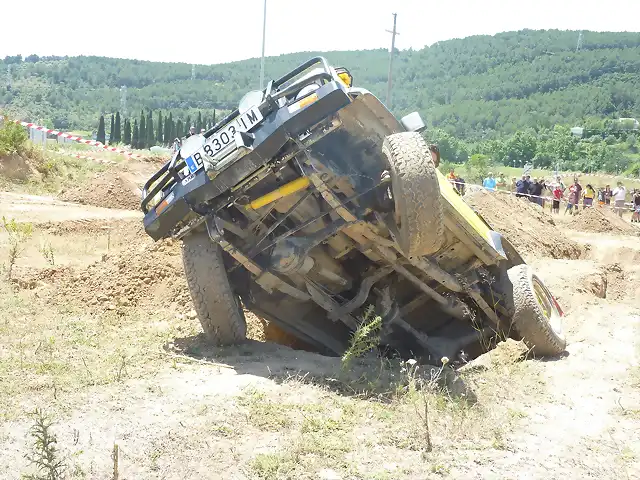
x=224 y=137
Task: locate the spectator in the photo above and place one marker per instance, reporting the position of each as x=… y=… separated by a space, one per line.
x=535 y=190
x=514 y=182
x=451 y=176
x=601 y=196
x=460 y=185
x=522 y=186
x=557 y=196
x=574 y=198
x=588 y=196
x=490 y=183
x=607 y=195
x=502 y=182
x=636 y=207
x=579 y=189
x=619 y=195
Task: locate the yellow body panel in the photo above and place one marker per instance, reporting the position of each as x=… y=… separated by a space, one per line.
x=455 y=200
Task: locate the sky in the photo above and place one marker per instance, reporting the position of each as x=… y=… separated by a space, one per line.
x=219 y=31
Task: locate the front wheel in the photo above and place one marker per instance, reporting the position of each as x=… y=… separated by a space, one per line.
x=215 y=302
x=416 y=193
x=536 y=315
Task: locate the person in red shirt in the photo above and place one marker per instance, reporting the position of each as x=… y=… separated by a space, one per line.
x=557 y=196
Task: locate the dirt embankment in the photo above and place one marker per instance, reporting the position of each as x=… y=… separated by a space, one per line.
x=532 y=231
x=107 y=189
x=601 y=220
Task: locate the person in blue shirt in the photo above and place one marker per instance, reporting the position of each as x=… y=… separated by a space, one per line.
x=490 y=182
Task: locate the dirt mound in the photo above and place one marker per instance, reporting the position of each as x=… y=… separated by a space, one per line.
x=15 y=167
x=106 y=189
x=601 y=220
x=532 y=231
x=146 y=277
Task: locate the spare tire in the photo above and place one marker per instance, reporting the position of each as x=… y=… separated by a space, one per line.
x=536 y=315
x=218 y=307
x=416 y=193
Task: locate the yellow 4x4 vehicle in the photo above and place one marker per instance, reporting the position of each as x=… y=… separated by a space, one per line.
x=311 y=202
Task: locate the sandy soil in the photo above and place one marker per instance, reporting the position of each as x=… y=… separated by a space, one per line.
x=105 y=341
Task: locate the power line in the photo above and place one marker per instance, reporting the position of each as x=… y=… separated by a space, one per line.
x=391 y=53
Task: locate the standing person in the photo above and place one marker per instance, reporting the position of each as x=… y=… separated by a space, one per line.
x=636 y=207
x=587 y=196
x=460 y=185
x=535 y=190
x=514 y=183
x=607 y=195
x=522 y=186
x=490 y=183
x=502 y=182
x=601 y=196
x=574 y=198
x=557 y=196
x=619 y=195
x=451 y=176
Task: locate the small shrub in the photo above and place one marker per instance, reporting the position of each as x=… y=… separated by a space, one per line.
x=364 y=339
x=44 y=454
x=13 y=138
x=18 y=234
x=47 y=252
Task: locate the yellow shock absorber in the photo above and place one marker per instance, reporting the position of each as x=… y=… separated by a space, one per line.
x=285 y=190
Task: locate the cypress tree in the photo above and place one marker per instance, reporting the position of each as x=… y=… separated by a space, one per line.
x=199 y=125
x=167 y=130
x=135 y=138
x=179 y=129
x=151 y=134
x=160 y=130
x=118 y=132
x=101 y=135
x=127 y=132
x=187 y=124
x=111 y=130
x=142 y=132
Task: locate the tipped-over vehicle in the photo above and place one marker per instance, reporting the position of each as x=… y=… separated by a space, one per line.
x=311 y=201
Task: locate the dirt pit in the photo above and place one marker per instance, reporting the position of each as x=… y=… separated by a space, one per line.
x=532 y=231
x=108 y=190
x=600 y=220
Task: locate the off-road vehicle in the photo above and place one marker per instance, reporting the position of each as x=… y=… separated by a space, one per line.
x=311 y=202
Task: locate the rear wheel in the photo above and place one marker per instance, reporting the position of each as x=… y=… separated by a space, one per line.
x=416 y=193
x=217 y=306
x=536 y=316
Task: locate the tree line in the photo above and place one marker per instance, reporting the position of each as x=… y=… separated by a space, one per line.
x=607 y=149
x=147 y=131
x=475 y=88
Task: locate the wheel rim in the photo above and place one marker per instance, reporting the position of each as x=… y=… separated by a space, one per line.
x=547 y=305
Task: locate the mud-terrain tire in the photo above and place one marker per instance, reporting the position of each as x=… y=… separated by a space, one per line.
x=416 y=193
x=536 y=316
x=218 y=307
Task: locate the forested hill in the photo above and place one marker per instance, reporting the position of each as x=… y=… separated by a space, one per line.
x=476 y=87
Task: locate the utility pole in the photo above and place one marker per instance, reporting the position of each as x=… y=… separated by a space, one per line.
x=579 y=46
x=393 y=47
x=193 y=72
x=264 y=33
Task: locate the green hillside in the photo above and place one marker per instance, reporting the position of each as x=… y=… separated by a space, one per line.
x=475 y=88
